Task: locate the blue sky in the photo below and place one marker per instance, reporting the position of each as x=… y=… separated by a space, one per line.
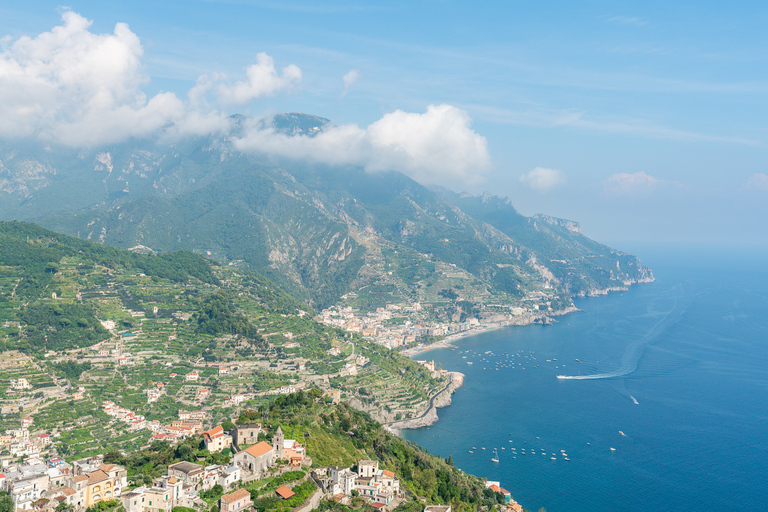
x=644 y=121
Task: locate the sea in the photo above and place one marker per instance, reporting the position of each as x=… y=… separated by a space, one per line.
x=664 y=404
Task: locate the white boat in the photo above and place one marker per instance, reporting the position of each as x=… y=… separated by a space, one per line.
x=613 y=449
x=495 y=456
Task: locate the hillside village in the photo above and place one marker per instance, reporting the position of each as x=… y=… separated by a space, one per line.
x=249 y=465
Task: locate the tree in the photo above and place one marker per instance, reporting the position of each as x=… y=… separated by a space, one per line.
x=227 y=425
x=6 y=503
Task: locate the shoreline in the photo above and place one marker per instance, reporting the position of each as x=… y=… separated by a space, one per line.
x=517 y=322
x=429 y=417
x=443 y=398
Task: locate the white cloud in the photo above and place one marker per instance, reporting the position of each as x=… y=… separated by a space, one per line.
x=349 y=79
x=758 y=181
x=262 y=79
x=72 y=86
x=543 y=179
x=635 y=184
x=436 y=147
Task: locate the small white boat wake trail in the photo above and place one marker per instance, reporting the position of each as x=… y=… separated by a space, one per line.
x=635 y=350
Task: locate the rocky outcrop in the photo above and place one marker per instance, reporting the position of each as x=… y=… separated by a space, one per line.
x=429 y=417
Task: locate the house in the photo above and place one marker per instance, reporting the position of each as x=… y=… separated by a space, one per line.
x=192 y=415
x=189 y=472
x=223 y=370
x=105 y=483
x=343 y=480
x=133 y=501
x=246 y=434
x=191 y=377
x=229 y=475
x=496 y=488
x=27 y=422
x=216 y=439
x=165 y=494
x=383 y=497
x=236 y=501
x=367 y=468
x=389 y=481
x=256 y=458
x=20 y=383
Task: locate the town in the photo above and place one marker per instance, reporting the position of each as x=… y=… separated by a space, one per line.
x=254 y=463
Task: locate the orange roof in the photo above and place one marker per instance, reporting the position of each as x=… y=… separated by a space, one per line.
x=284 y=492
x=80 y=478
x=388 y=473
x=216 y=432
x=232 y=497
x=258 y=449
x=68 y=491
x=495 y=488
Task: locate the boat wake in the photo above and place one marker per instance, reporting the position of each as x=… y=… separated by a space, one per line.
x=634 y=351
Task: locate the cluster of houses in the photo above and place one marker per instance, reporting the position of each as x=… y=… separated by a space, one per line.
x=189 y=423
x=38 y=485
x=20 y=443
x=41 y=486
x=378 y=486
x=373 y=326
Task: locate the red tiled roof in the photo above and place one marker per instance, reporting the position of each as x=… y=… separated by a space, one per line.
x=284 y=492
x=386 y=472
x=378 y=505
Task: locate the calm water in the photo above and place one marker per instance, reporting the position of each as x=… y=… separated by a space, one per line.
x=683 y=367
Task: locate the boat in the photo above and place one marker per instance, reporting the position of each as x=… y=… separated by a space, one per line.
x=613 y=449
x=495 y=456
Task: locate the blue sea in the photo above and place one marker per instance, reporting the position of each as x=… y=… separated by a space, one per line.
x=678 y=387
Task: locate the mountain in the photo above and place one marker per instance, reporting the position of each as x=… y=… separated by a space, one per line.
x=319 y=232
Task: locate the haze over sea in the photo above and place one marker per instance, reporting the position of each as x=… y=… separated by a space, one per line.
x=683 y=396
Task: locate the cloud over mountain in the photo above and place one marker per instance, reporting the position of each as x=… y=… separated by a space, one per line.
x=438 y=146
x=78 y=88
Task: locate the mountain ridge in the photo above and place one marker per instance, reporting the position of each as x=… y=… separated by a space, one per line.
x=318 y=231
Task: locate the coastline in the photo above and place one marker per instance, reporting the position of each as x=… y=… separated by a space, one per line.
x=429 y=417
x=523 y=320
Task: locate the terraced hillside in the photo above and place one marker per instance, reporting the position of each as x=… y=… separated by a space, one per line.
x=86 y=323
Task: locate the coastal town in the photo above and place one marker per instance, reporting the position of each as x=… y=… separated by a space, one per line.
x=404 y=326
x=254 y=463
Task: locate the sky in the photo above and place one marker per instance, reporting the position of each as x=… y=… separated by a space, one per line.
x=643 y=121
